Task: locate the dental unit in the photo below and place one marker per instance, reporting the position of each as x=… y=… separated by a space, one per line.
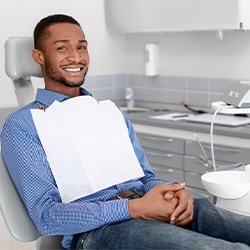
x=230 y=188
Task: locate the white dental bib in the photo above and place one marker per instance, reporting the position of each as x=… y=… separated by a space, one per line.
x=87 y=146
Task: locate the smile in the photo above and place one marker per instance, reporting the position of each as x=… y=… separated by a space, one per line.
x=72 y=69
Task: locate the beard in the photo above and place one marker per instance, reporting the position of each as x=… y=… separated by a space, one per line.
x=55 y=75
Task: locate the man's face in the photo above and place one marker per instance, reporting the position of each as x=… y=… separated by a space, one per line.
x=65 y=53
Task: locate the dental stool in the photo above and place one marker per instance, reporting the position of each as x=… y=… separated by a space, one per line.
x=20 y=67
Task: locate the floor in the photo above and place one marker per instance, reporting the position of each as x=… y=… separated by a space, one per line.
x=14 y=245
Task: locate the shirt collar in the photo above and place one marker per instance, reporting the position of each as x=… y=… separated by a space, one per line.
x=47 y=97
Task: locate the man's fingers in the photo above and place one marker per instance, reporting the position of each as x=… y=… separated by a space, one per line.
x=184 y=222
x=169 y=195
x=176 y=213
x=170 y=187
x=183 y=214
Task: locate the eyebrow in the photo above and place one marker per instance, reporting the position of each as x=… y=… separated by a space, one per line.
x=67 y=41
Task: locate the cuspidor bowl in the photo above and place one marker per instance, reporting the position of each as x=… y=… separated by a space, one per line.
x=227 y=184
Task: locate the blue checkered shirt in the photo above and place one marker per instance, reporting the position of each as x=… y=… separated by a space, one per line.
x=28 y=166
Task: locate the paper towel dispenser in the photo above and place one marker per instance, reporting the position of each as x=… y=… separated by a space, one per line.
x=136 y=16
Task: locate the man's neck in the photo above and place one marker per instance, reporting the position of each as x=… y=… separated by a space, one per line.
x=70 y=92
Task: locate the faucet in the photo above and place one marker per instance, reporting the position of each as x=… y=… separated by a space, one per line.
x=129 y=97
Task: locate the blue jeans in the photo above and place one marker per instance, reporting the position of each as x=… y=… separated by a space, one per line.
x=211 y=228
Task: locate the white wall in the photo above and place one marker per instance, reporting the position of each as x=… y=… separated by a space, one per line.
x=19 y=17
x=196 y=54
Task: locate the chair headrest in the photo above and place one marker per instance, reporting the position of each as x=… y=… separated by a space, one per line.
x=19 y=62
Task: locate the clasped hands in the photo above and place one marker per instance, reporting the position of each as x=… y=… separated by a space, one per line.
x=169 y=203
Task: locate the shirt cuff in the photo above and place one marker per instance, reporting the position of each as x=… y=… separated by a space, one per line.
x=115 y=211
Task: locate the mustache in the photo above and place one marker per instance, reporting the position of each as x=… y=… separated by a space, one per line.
x=75 y=64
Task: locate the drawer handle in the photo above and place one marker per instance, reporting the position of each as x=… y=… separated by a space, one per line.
x=158 y=154
x=163 y=170
x=156 y=138
x=228 y=150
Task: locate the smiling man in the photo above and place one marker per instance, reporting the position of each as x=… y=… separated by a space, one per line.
x=64 y=59
x=140 y=212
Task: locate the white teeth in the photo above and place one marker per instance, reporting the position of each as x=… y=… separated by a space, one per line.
x=73 y=69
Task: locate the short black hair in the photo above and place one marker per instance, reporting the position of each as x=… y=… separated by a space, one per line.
x=40 y=29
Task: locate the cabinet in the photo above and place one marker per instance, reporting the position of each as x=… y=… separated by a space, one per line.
x=135 y=16
x=165 y=156
x=175 y=159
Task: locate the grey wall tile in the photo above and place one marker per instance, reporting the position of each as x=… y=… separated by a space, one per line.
x=198 y=99
x=157 y=82
x=88 y=83
x=214 y=97
x=165 y=89
x=119 y=93
x=140 y=94
x=176 y=83
x=220 y=85
x=198 y=84
x=136 y=81
x=175 y=96
x=120 y=81
x=103 y=94
x=103 y=81
x=155 y=95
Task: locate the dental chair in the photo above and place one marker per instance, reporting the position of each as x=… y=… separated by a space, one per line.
x=20 y=66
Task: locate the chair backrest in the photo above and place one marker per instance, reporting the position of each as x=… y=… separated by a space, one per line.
x=20 y=67
x=13 y=209
x=17 y=218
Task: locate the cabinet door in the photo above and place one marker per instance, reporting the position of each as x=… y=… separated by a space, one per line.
x=194 y=164
x=197 y=193
x=197 y=164
x=167 y=173
x=222 y=153
x=193 y=179
x=165 y=159
x=136 y=16
x=162 y=143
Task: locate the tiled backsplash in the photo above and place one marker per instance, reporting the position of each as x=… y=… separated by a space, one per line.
x=159 y=89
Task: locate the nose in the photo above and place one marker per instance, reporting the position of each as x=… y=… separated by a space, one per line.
x=75 y=56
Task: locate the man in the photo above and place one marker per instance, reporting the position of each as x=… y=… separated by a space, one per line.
x=136 y=214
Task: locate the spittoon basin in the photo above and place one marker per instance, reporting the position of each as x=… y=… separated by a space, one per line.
x=227 y=184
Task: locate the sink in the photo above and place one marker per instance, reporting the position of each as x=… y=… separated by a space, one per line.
x=133 y=109
x=227 y=184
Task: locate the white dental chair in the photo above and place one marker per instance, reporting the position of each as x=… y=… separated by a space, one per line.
x=20 y=66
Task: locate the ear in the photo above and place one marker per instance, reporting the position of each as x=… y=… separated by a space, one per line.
x=38 y=56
